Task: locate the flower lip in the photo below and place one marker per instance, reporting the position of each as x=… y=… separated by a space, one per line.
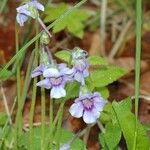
x=56 y=81
x=88 y=104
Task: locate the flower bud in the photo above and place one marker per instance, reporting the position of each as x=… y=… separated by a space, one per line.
x=44 y=38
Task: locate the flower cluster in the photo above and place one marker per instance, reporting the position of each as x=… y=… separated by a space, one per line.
x=30 y=9
x=55 y=76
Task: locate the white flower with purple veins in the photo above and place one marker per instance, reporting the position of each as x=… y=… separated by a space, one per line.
x=88 y=106
x=80 y=70
x=29 y=9
x=55 y=79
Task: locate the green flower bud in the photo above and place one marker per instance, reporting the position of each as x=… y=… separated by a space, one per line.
x=44 y=38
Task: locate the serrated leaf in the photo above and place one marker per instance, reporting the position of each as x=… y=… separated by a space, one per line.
x=63 y=55
x=97 y=60
x=74 y=22
x=111 y=137
x=126 y=120
x=105 y=75
x=72 y=90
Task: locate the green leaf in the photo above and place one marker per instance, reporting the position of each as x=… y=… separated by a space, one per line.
x=74 y=22
x=63 y=55
x=111 y=137
x=6 y=75
x=72 y=90
x=126 y=120
x=103 y=91
x=106 y=114
x=105 y=75
x=97 y=60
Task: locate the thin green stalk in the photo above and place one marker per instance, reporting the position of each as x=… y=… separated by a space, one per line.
x=31 y=115
x=18 y=123
x=18 y=66
x=51 y=123
x=38 y=36
x=58 y=129
x=138 y=60
x=33 y=100
x=3 y=6
x=43 y=117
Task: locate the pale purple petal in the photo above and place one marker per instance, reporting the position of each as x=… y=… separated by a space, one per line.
x=76 y=109
x=38 y=71
x=21 y=19
x=86 y=73
x=89 y=117
x=37 y=5
x=44 y=83
x=58 y=92
x=51 y=72
x=23 y=10
x=79 y=77
x=65 y=147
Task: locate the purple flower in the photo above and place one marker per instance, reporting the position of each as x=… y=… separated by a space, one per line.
x=55 y=79
x=38 y=70
x=88 y=106
x=80 y=70
x=24 y=11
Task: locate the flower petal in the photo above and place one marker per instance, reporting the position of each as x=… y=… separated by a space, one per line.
x=37 y=5
x=89 y=117
x=51 y=72
x=76 y=110
x=38 y=71
x=44 y=83
x=79 y=77
x=21 y=19
x=58 y=92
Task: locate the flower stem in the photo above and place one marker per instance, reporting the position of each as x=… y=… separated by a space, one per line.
x=137 y=63
x=18 y=123
x=44 y=27
x=58 y=129
x=43 y=117
x=51 y=123
x=33 y=100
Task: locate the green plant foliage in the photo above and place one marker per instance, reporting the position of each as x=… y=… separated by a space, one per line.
x=66 y=136
x=110 y=139
x=63 y=55
x=6 y=75
x=106 y=114
x=105 y=75
x=126 y=120
x=74 y=22
x=3 y=118
x=72 y=90
x=103 y=91
x=97 y=60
